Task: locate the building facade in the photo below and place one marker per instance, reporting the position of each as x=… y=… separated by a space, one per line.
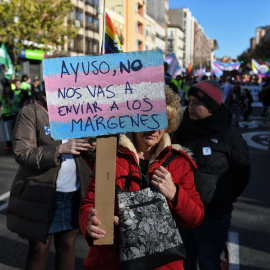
x=175 y=42
x=202 y=47
x=86 y=15
x=184 y=19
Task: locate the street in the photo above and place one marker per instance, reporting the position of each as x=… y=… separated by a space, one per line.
x=249 y=235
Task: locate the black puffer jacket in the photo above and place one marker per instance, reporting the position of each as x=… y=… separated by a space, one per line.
x=222 y=157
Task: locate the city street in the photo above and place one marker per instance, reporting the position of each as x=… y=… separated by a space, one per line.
x=249 y=235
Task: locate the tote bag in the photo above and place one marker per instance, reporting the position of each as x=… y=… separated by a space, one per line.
x=149 y=237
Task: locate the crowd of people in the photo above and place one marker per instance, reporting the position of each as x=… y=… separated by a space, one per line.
x=14 y=96
x=235 y=92
x=53 y=193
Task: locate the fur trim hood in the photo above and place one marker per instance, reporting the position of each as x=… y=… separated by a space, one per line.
x=126 y=140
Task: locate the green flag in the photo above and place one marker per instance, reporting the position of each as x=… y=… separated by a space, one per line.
x=5 y=60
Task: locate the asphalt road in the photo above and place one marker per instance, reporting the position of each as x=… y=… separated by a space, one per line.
x=249 y=238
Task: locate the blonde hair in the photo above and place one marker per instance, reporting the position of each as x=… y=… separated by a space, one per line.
x=174 y=109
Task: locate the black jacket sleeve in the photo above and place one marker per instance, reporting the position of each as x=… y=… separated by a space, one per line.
x=240 y=165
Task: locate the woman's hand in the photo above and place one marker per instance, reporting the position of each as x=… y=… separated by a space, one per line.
x=92 y=229
x=162 y=180
x=74 y=146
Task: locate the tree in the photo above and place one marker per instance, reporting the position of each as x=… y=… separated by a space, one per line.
x=34 y=23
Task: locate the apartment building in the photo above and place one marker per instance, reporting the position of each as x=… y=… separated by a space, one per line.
x=86 y=15
x=202 y=47
x=184 y=19
x=175 y=42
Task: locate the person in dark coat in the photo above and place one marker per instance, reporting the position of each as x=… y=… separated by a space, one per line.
x=46 y=192
x=222 y=157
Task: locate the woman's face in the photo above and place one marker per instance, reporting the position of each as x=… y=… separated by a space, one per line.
x=197 y=110
x=148 y=139
x=17 y=84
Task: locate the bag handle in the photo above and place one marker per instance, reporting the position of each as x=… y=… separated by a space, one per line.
x=128 y=177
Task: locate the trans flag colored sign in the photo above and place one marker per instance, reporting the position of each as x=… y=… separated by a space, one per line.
x=105 y=94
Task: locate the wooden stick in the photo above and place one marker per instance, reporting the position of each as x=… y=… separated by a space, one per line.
x=105 y=186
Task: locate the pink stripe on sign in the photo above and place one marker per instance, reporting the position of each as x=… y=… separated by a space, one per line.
x=148 y=74
x=76 y=112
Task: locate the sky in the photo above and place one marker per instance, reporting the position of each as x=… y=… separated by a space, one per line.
x=231 y=22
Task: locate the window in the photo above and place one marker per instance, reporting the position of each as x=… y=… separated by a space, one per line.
x=92 y=3
x=88 y=21
x=76 y=44
x=91 y=46
x=92 y=23
x=96 y=25
x=76 y=15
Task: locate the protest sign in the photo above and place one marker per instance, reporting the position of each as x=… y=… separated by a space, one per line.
x=105 y=94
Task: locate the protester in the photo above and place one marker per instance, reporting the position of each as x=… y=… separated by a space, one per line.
x=234 y=102
x=264 y=97
x=46 y=192
x=246 y=104
x=26 y=85
x=35 y=90
x=226 y=88
x=188 y=84
x=22 y=96
x=223 y=171
x=9 y=108
x=145 y=152
x=178 y=82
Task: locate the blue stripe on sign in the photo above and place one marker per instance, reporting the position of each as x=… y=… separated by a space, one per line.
x=97 y=126
x=91 y=63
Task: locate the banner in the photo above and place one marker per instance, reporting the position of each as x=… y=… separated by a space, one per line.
x=105 y=94
x=227 y=66
x=254 y=91
x=173 y=64
x=6 y=61
x=215 y=70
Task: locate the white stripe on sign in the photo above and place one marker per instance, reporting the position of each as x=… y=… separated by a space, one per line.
x=4 y=196
x=233 y=248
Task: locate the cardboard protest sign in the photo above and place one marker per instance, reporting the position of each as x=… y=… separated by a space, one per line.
x=105 y=94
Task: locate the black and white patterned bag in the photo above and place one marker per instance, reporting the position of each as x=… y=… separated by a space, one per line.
x=149 y=237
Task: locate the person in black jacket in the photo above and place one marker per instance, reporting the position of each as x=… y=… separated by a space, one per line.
x=223 y=171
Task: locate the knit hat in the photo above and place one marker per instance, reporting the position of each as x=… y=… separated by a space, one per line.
x=209 y=92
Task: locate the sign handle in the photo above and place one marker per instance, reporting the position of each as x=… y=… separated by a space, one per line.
x=105 y=186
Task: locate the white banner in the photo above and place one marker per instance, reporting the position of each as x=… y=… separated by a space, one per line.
x=254 y=91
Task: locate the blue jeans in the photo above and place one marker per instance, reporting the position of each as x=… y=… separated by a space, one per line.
x=205 y=244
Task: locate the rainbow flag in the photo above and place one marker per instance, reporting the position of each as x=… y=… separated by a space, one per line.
x=112 y=42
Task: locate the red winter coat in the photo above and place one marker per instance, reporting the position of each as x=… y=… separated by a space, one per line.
x=187 y=208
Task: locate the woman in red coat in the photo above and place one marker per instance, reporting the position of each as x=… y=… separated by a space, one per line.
x=145 y=152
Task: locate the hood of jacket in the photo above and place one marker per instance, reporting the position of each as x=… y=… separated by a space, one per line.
x=126 y=141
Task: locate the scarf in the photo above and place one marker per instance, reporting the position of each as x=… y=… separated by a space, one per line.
x=216 y=122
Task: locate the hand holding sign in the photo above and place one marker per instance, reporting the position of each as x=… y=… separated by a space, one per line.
x=74 y=146
x=105 y=95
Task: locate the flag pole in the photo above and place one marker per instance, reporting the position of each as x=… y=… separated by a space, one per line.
x=103 y=34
